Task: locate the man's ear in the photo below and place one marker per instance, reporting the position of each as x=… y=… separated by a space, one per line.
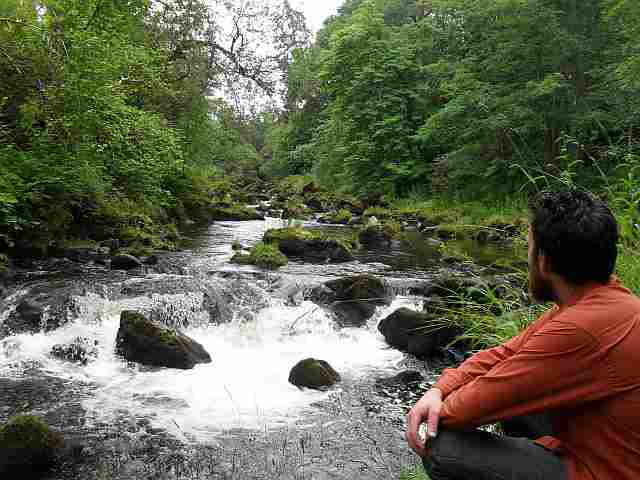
x=544 y=265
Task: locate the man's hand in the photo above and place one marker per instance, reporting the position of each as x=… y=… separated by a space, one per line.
x=426 y=410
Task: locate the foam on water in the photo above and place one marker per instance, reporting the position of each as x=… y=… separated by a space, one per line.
x=246 y=385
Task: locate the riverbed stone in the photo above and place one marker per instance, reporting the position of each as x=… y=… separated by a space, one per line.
x=353 y=299
x=80 y=351
x=416 y=332
x=314 y=374
x=375 y=236
x=27 y=447
x=309 y=245
x=143 y=341
x=44 y=308
x=233 y=213
x=403 y=379
x=125 y=262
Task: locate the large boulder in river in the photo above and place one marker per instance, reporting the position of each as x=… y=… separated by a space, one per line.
x=142 y=341
x=353 y=299
x=417 y=333
x=27 y=447
x=312 y=373
x=309 y=245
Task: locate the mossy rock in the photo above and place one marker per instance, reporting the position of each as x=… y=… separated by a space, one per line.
x=375 y=236
x=418 y=333
x=262 y=255
x=378 y=212
x=291 y=233
x=309 y=245
x=341 y=217
x=4 y=263
x=233 y=213
x=314 y=374
x=296 y=210
x=143 y=341
x=27 y=446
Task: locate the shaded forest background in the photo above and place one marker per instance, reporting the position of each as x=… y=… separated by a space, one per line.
x=119 y=119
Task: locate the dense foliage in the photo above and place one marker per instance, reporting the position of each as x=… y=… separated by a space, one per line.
x=405 y=96
x=108 y=127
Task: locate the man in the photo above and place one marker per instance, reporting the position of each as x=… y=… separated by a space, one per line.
x=579 y=363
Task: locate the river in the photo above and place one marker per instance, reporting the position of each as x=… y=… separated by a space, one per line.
x=237 y=417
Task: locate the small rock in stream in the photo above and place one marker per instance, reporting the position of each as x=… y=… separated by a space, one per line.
x=80 y=351
x=314 y=374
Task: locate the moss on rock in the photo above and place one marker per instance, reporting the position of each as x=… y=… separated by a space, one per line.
x=26 y=445
x=235 y=212
x=312 y=373
x=262 y=255
x=309 y=244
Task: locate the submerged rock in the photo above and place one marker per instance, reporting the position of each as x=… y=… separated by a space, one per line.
x=80 y=351
x=142 y=341
x=45 y=308
x=417 y=333
x=125 y=262
x=312 y=373
x=27 y=447
x=353 y=299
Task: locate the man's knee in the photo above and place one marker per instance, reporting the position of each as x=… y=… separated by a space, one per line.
x=450 y=451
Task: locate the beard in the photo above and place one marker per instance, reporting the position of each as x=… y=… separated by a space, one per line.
x=540 y=289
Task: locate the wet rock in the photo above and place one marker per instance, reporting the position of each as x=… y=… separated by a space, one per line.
x=314 y=374
x=316 y=204
x=406 y=378
x=45 y=308
x=416 y=332
x=375 y=235
x=142 y=341
x=353 y=299
x=310 y=188
x=125 y=262
x=80 y=351
x=223 y=213
x=296 y=211
x=85 y=254
x=152 y=260
x=341 y=217
x=298 y=242
x=27 y=447
x=354 y=206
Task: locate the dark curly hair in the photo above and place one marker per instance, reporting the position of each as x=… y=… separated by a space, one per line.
x=578 y=233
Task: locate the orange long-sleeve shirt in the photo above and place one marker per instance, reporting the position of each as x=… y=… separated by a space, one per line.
x=580 y=363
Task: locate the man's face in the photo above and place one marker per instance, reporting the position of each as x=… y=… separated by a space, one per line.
x=540 y=288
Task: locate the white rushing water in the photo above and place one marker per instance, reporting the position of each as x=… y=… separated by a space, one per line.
x=246 y=385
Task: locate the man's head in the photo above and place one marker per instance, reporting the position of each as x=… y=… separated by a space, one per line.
x=576 y=237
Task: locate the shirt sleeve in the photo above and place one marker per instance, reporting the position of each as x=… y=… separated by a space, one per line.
x=556 y=367
x=482 y=362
